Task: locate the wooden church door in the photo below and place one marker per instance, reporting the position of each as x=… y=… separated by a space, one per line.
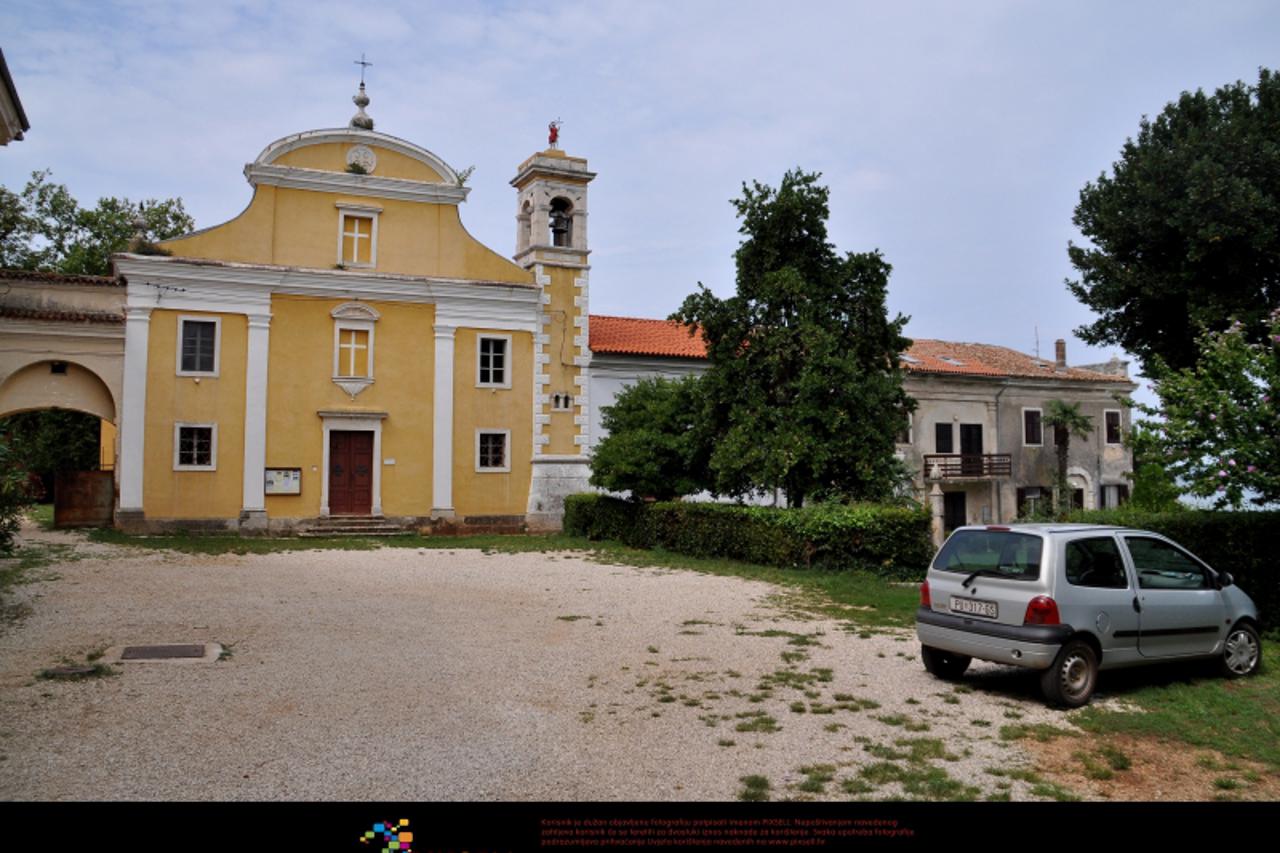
x=350 y=473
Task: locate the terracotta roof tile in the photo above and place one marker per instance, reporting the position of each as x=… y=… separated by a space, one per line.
x=635 y=336
x=17 y=313
x=44 y=277
x=930 y=356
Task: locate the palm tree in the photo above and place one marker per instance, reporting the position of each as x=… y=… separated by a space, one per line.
x=1067 y=421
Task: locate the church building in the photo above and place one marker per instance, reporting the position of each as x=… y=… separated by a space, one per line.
x=345 y=349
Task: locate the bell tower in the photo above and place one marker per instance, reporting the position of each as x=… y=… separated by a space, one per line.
x=551 y=240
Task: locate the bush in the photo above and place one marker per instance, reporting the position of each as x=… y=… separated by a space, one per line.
x=15 y=496
x=1242 y=543
x=892 y=541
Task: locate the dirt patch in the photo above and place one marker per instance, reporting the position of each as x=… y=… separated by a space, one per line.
x=1157 y=770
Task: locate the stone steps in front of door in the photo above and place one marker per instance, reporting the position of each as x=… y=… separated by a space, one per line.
x=341 y=526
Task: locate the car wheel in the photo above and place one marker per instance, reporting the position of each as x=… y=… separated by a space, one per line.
x=944 y=665
x=1241 y=653
x=1074 y=674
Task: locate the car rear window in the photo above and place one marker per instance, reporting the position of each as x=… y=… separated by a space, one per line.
x=997 y=552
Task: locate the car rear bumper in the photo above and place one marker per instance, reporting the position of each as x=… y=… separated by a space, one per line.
x=1033 y=647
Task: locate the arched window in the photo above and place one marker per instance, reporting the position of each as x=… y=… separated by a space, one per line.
x=561 y=222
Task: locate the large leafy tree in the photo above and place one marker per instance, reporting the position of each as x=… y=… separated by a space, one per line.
x=1218 y=423
x=44 y=228
x=656 y=446
x=1183 y=231
x=804 y=390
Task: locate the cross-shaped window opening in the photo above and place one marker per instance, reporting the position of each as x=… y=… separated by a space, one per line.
x=355 y=229
x=353 y=352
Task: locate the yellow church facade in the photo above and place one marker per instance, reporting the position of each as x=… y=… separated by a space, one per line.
x=344 y=349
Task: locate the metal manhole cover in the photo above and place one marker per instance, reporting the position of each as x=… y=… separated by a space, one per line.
x=165 y=652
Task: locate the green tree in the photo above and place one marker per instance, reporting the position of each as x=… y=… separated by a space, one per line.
x=656 y=446
x=43 y=228
x=1067 y=421
x=1155 y=488
x=47 y=441
x=15 y=496
x=1184 y=230
x=1218 y=423
x=804 y=390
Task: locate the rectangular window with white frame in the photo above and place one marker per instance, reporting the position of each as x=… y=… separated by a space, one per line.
x=195 y=447
x=493 y=450
x=1032 y=428
x=1111 y=418
x=199 y=345
x=358 y=236
x=493 y=361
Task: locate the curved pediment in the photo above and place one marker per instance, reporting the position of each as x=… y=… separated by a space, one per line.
x=334 y=149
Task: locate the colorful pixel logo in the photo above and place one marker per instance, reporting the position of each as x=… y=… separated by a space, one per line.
x=396 y=837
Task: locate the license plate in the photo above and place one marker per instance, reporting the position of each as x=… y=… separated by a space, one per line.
x=973 y=607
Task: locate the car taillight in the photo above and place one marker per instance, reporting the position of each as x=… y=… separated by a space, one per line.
x=924 y=596
x=1041 y=610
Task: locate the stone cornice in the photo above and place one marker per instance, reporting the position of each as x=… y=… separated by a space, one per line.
x=160 y=282
x=346 y=183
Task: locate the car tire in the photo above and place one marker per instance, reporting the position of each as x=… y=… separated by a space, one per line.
x=1241 y=651
x=1072 y=677
x=945 y=665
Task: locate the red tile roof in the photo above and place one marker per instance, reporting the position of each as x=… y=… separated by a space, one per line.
x=634 y=336
x=61 y=316
x=929 y=356
x=665 y=338
x=43 y=277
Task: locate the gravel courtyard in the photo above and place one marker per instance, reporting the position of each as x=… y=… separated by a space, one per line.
x=405 y=674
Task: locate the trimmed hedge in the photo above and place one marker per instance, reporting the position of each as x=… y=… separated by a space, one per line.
x=892 y=541
x=1242 y=543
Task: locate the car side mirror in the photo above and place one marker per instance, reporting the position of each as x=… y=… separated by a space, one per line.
x=1225 y=579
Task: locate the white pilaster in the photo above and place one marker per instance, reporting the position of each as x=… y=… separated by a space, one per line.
x=442 y=450
x=541 y=357
x=255 y=413
x=133 y=418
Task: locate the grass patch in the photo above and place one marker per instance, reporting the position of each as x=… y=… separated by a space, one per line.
x=868 y=600
x=98 y=670
x=42 y=515
x=1239 y=718
x=571 y=618
x=1115 y=757
x=755 y=789
x=920 y=781
x=916 y=750
x=816 y=778
x=1040 y=786
x=756 y=721
x=21 y=567
x=856 y=787
x=1036 y=731
x=1095 y=769
x=725 y=742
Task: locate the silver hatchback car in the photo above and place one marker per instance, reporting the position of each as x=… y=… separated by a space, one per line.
x=1072 y=599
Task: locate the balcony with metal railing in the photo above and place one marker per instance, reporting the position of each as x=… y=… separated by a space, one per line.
x=967 y=466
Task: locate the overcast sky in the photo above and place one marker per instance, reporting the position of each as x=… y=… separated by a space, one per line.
x=955 y=137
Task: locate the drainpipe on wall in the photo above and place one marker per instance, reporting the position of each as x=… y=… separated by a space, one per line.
x=1005 y=387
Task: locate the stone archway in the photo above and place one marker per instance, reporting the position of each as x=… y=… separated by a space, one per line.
x=81 y=497
x=56 y=384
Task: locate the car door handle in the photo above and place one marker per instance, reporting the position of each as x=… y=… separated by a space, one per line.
x=1137 y=605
